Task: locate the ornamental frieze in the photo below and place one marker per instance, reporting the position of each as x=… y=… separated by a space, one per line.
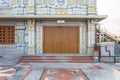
x=48 y=7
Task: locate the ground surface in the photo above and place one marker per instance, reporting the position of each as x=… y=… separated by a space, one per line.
x=11 y=70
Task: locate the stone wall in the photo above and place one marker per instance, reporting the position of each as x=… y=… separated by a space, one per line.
x=28 y=35
x=20 y=38
x=106 y=48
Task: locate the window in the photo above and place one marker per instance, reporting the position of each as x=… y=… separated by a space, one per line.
x=7 y=34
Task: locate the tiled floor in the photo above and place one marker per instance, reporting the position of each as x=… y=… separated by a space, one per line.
x=9 y=70
x=67 y=71
x=6 y=72
x=63 y=74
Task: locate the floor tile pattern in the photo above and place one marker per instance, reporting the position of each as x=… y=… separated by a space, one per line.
x=63 y=74
x=95 y=67
x=6 y=72
x=62 y=71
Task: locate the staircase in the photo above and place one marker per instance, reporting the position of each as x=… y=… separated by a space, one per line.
x=57 y=59
x=103 y=35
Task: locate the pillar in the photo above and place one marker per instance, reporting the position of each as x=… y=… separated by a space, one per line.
x=19 y=37
x=91 y=36
x=39 y=39
x=83 y=39
x=31 y=37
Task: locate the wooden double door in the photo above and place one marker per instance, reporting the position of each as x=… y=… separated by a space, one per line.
x=61 y=39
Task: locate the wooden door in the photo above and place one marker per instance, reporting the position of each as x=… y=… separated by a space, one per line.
x=60 y=40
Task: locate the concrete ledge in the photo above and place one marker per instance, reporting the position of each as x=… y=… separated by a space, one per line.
x=106 y=43
x=99 y=17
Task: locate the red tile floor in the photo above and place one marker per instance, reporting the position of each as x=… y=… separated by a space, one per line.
x=63 y=74
x=26 y=70
x=54 y=71
x=6 y=72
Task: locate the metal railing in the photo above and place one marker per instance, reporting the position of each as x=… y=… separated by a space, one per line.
x=117 y=49
x=105 y=32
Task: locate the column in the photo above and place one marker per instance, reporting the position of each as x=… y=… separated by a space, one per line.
x=20 y=37
x=83 y=39
x=39 y=39
x=31 y=37
x=91 y=36
x=31 y=7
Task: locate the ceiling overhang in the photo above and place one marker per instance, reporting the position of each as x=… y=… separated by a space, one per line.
x=54 y=17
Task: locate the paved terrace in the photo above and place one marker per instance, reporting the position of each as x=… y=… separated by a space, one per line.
x=11 y=70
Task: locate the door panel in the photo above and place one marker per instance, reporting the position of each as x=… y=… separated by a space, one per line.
x=61 y=40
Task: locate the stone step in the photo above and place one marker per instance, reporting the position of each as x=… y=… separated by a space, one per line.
x=57 y=59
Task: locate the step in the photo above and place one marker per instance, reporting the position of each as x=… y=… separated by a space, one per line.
x=57 y=59
x=49 y=61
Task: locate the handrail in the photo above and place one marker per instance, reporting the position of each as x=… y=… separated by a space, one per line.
x=105 y=31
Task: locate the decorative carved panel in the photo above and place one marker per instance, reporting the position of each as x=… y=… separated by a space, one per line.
x=48 y=7
x=31 y=37
x=91 y=2
x=61 y=7
x=83 y=39
x=4 y=3
x=67 y=23
x=39 y=38
x=20 y=36
x=91 y=33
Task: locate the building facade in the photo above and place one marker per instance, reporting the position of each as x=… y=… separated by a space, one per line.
x=36 y=27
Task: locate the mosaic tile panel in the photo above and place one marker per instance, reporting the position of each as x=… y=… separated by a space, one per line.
x=63 y=74
x=6 y=72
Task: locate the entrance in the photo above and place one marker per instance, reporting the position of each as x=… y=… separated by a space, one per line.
x=61 y=39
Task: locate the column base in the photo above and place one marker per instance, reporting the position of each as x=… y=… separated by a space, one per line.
x=90 y=50
x=31 y=50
